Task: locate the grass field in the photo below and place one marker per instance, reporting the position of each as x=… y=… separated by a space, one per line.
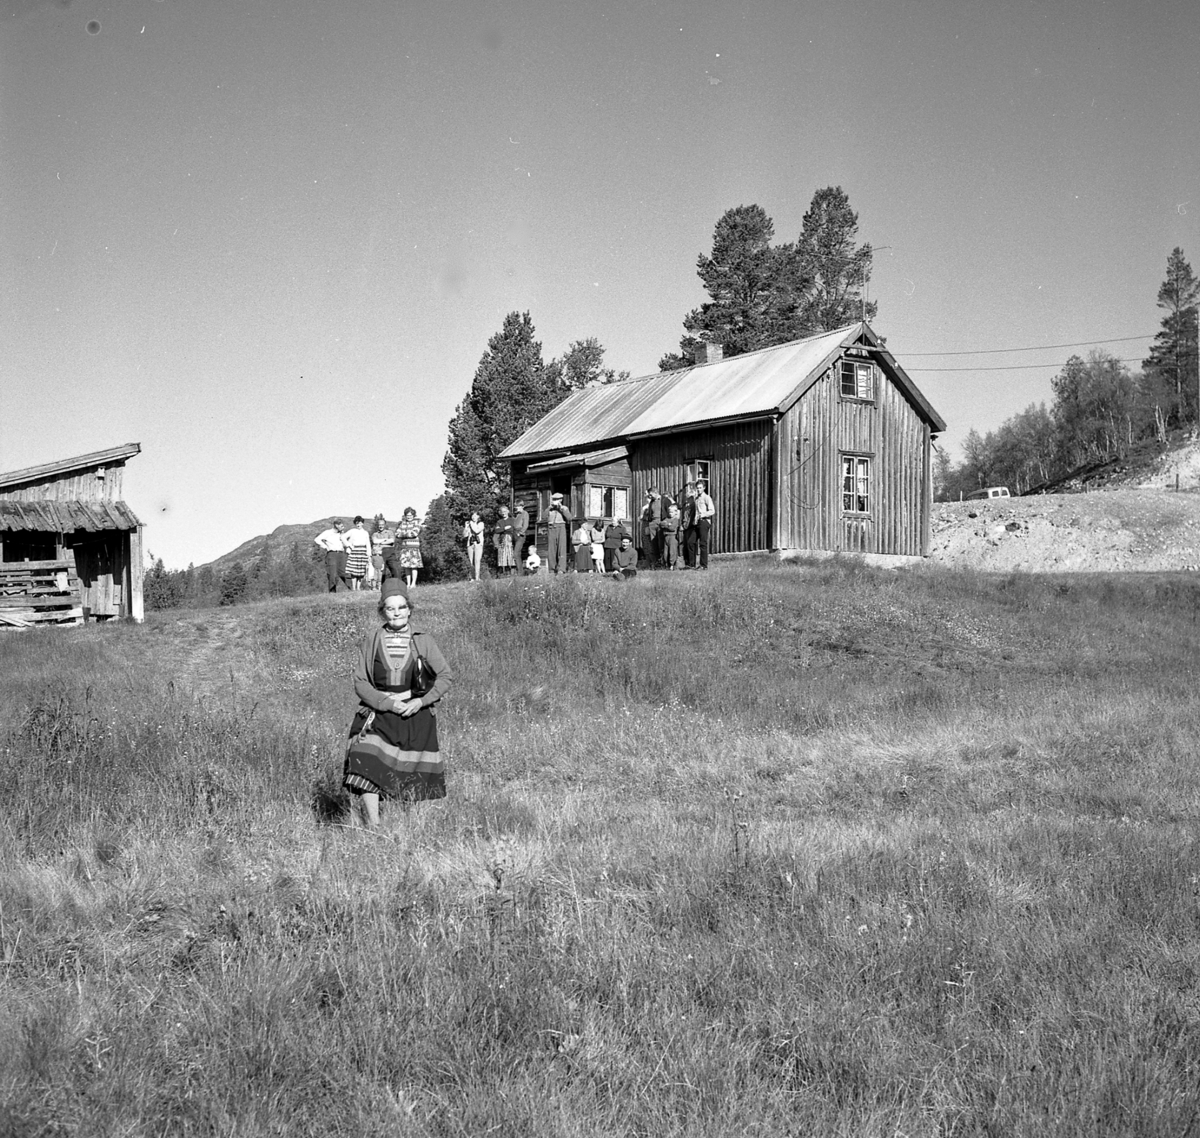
x=771 y=850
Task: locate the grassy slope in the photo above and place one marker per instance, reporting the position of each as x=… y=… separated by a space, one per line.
x=769 y=850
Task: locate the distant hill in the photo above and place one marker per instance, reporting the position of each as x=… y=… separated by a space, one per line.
x=277 y=545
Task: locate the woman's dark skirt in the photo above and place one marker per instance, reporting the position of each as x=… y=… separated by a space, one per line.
x=397 y=757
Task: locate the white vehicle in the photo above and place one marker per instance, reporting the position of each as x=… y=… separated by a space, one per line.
x=990 y=492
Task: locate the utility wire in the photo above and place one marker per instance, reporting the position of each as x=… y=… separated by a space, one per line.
x=1039 y=348
x=1008 y=367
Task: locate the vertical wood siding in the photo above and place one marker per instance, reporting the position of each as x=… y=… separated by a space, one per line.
x=85 y=486
x=812 y=436
x=739 y=475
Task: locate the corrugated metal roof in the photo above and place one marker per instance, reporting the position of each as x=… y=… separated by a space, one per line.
x=66 y=465
x=757 y=383
x=44 y=516
x=765 y=382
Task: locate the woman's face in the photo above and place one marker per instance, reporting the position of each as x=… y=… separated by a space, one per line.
x=395 y=612
x=474 y=515
x=504 y=511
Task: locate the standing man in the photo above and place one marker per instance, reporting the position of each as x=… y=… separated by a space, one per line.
x=334 y=544
x=687 y=525
x=520 y=529
x=704 y=516
x=558 y=529
x=652 y=516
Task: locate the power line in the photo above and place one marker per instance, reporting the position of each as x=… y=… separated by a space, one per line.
x=1008 y=367
x=1039 y=348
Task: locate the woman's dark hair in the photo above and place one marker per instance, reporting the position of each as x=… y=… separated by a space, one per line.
x=409 y=510
x=358 y=519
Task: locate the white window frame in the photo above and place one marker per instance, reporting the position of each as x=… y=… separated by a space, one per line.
x=859 y=377
x=856 y=484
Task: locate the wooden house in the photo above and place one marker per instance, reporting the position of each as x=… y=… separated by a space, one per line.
x=70 y=548
x=821 y=444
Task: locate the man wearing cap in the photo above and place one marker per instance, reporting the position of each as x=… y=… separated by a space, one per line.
x=704 y=516
x=334 y=544
x=558 y=527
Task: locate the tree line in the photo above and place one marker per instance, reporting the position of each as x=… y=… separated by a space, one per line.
x=1100 y=411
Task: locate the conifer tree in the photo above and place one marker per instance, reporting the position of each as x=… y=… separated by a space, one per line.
x=764 y=294
x=1173 y=355
x=512 y=389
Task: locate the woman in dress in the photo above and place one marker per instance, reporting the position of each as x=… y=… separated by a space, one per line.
x=503 y=535
x=473 y=536
x=358 y=553
x=394 y=750
x=408 y=540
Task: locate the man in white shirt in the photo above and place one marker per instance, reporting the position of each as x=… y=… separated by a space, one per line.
x=334 y=544
x=704 y=516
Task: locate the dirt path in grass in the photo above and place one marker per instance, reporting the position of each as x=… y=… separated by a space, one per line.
x=207 y=653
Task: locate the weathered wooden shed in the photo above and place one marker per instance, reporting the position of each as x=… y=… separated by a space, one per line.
x=821 y=444
x=70 y=548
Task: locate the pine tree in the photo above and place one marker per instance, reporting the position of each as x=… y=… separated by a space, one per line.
x=750 y=306
x=441 y=543
x=511 y=391
x=1173 y=355
x=233 y=584
x=828 y=271
x=762 y=295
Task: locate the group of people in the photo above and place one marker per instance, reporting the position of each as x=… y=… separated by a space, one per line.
x=508 y=538
x=358 y=558
x=677 y=536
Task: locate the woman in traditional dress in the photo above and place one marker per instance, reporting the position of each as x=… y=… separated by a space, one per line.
x=408 y=540
x=394 y=750
x=502 y=538
x=472 y=533
x=358 y=553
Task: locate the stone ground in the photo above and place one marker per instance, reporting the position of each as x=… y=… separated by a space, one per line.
x=1144 y=526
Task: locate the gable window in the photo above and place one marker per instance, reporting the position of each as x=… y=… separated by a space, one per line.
x=858 y=380
x=856 y=484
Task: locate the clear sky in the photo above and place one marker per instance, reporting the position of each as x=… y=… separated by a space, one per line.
x=269 y=239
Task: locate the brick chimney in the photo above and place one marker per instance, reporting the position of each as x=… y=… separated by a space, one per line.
x=706 y=353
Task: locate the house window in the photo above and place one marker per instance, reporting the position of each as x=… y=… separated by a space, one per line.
x=608 y=502
x=699 y=469
x=858 y=380
x=856 y=484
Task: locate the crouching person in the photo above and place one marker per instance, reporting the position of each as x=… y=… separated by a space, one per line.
x=625 y=561
x=400 y=674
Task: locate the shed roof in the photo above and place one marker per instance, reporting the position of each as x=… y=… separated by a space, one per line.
x=43 y=516
x=50 y=470
x=753 y=385
x=592 y=458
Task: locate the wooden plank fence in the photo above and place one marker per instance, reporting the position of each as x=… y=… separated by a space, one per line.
x=39 y=592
